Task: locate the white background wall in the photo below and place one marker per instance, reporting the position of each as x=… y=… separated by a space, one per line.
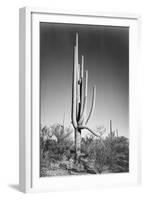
x=9 y=119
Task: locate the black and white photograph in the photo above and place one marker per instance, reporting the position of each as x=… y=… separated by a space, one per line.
x=84 y=99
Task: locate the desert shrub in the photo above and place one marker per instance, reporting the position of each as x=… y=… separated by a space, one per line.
x=55 y=142
x=95 y=153
x=63 y=140
x=109 y=153
x=96 y=150
x=100 y=155
x=117 y=154
x=87 y=146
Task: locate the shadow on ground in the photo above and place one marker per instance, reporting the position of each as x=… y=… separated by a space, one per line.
x=14 y=186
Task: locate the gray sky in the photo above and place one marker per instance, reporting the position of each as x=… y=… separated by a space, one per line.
x=106 y=56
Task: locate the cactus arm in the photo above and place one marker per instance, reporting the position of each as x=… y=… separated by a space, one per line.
x=82 y=67
x=81 y=88
x=83 y=111
x=86 y=83
x=73 y=114
x=85 y=94
x=93 y=105
x=84 y=106
x=89 y=129
x=95 y=134
x=79 y=71
x=81 y=85
x=77 y=93
x=81 y=95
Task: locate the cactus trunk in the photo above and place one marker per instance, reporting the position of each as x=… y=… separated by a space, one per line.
x=77 y=143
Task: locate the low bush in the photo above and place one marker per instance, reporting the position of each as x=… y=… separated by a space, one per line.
x=98 y=155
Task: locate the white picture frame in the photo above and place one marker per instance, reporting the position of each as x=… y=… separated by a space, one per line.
x=29 y=178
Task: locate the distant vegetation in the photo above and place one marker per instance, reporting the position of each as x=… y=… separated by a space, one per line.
x=102 y=154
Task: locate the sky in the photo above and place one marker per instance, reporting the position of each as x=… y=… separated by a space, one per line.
x=106 y=57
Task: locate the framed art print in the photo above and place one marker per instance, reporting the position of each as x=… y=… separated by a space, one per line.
x=78 y=100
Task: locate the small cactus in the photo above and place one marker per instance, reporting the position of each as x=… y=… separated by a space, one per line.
x=112 y=133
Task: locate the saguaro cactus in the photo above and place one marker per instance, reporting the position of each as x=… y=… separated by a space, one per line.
x=112 y=133
x=79 y=99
